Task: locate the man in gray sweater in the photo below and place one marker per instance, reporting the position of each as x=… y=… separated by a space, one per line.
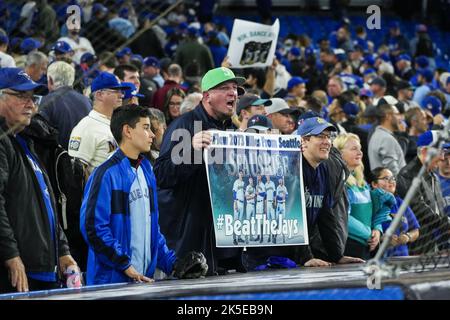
x=384 y=150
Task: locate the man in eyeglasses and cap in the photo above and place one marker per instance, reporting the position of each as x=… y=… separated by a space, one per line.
x=183 y=194
x=33 y=247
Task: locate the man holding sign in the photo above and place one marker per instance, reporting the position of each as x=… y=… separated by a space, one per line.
x=186 y=216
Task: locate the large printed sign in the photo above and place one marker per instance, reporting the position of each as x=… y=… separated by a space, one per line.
x=256 y=189
x=252 y=44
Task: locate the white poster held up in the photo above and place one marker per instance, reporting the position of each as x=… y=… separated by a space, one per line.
x=252 y=44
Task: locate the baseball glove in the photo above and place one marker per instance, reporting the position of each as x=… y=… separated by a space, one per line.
x=191 y=266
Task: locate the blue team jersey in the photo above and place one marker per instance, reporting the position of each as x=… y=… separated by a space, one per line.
x=409 y=222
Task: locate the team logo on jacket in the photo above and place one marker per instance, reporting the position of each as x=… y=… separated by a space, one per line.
x=74 y=143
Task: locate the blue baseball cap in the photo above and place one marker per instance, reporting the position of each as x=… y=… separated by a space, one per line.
x=295 y=81
x=369 y=71
x=193 y=31
x=404 y=57
x=295 y=51
x=131 y=91
x=29 y=44
x=351 y=109
x=98 y=7
x=87 y=57
x=152 y=62
x=106 y=80
x=427 y=74
x=123 y=52
x=366 y=93
x=446 y=147
x=124 y=12
x=137 y=57
x=427 y=138
x=433 y=104
x=340 y=54
x=394 y=25
x=16 y=79
x=183 y=26
x=385 y=57
x=62 y=47
x=313 y=126
x=4 y=39
x=259 y=122
x=309 y=51
x=422 y=62
x=369 y=59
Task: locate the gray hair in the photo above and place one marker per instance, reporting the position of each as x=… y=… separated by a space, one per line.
x=156 y=114
x=61 y=73
x=190 y=102
x=36 y=58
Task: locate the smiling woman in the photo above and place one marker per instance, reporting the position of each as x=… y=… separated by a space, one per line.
x=363 y=234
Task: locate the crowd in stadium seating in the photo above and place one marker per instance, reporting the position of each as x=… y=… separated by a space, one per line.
x=386 y=103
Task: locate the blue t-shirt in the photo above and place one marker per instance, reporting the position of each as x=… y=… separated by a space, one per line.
x=445 y=187
x=408 y=223
x=317 y=195
x=42 y=276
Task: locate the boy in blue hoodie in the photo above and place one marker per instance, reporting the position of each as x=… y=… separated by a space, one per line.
x=119 y=213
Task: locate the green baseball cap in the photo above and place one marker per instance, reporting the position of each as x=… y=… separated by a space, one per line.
x=216 y=76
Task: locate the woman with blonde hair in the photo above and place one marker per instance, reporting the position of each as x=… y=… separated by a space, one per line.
x=368 y=210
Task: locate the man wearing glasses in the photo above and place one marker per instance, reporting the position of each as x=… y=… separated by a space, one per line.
x=33 y=247
x=91 y=140
x=317 y=137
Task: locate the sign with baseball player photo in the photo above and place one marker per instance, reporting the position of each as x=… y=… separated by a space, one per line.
x=256 y=189
x=252 y=44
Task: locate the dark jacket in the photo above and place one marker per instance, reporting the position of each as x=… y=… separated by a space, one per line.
x=428 y=206
x=64 y=108
x=183 y=195
x=24 y=229
x=148 y=44
x=192 y=51
x=329 y=242
x=67 y=181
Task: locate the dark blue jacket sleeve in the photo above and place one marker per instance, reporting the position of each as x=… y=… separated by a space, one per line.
x=175 y=148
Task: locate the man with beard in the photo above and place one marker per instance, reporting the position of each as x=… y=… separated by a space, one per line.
x=384 y=150
x=416 y=120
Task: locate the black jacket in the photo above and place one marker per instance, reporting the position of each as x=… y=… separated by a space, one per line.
x=427 y=204
x=329 y=237
x=67 y=181
x=24 y=228
x=183 y=196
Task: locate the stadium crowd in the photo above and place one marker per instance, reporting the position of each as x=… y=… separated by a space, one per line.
x=77 y=113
